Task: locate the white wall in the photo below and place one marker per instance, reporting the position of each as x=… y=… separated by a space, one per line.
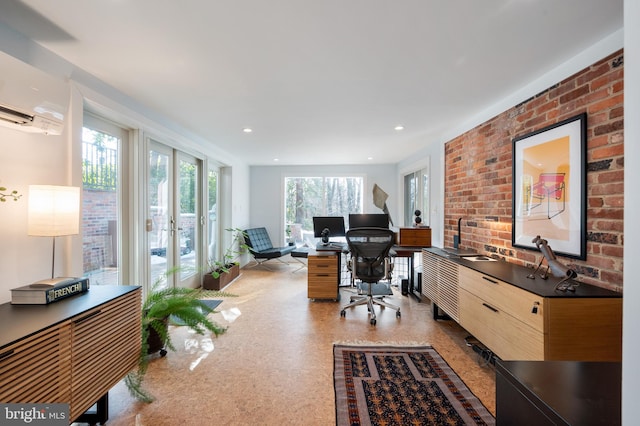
x=631 y=313
x=37 y=159
x=267 y=202
x=27 y=159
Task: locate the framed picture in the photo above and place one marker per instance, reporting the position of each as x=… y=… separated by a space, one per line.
x=550 y=188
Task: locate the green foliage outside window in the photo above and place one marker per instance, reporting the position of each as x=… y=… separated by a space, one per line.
x=306 y=197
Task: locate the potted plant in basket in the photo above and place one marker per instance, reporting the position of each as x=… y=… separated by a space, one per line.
x=161 y=304
x=222 y=272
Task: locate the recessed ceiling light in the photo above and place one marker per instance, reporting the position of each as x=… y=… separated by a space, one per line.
x=399 y=127
x=276 y=159
x=247 y=130
x=369 y=158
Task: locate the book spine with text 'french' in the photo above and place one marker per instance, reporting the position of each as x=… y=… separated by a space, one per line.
x=44 y=296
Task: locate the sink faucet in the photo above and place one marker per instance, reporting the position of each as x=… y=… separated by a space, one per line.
x=456 y=238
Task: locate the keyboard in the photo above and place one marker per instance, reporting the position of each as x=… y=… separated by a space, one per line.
x=331 y=246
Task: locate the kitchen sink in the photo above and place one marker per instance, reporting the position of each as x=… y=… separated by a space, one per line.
x=479 y=258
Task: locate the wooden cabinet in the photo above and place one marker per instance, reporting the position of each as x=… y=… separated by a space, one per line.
x=37 y=369
x=72 y=351
x=518 y=318
x=440 y=283
x=323 y=275
x=506 y=319
x=518 y=325
x=414 y=237
x=105 y=347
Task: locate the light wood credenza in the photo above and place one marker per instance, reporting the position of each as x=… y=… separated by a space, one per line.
x=72 y=351
x=518 y=318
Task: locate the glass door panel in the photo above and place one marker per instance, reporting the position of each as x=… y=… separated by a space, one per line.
x=102 y=237
x=186 y=227
x=174 y=217
x=212 y=214
x=158 y=217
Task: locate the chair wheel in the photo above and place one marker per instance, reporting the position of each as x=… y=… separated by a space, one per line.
x=163 y=352
x=398 y=314
x=373 y=321
x=343 y=313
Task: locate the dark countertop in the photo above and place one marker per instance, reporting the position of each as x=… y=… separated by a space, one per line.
x=517 y=275
x=21 y=321
x=568 y=392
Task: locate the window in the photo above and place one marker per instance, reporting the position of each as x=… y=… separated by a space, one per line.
x=306 y=197
x=212 y=214
x=416 y=196
x=102 y=255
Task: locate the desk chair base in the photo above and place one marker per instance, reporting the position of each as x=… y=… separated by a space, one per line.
x=370 y=300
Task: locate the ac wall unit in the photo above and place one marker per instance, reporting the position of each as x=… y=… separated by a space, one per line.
x=31 y=100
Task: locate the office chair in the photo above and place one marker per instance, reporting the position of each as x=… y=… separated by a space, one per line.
x=369 y=249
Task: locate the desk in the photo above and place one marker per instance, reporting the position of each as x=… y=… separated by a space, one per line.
x=415 y=289
x=319 y=267
x=558 y=393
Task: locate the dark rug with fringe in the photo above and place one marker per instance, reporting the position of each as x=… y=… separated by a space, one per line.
x=401 y=385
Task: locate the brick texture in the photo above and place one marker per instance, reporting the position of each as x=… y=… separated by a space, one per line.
x=478 y=177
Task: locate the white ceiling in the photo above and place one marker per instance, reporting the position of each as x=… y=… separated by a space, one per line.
x=318 y=81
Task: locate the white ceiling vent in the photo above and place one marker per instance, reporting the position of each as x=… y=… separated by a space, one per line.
x=31 y=100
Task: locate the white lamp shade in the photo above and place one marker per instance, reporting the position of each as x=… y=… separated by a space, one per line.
x=53 y=210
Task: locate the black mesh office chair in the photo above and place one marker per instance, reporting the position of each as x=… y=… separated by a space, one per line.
x=369 y=249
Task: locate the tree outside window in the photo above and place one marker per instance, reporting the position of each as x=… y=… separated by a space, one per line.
x=306 y=197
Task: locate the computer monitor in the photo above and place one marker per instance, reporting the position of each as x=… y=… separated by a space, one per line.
x=335 y=225
x=370 y=220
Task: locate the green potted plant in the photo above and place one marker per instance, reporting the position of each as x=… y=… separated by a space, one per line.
x=161 y=304
x=223 y=271
x=13 y=194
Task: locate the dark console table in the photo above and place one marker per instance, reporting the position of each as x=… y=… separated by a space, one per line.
x=72 y=351
x=538 y=393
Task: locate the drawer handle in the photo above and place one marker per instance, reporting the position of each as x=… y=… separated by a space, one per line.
x=86 y=317
x=491 y=308
x=490 y=280
x=322 y=266
x=322 y=275
x=6 y=354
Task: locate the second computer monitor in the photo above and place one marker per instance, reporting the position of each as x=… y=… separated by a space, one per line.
x=368 y=220
x=335 y=225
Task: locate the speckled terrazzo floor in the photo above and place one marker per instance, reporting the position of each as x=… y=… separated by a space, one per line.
x=274 y=366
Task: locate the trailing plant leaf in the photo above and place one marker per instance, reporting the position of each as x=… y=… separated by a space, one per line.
x=159 y=305
x=13 y=194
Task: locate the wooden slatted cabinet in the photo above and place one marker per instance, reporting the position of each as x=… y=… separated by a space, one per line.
x=72 y=351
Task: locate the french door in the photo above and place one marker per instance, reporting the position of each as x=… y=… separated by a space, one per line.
x=174 y=217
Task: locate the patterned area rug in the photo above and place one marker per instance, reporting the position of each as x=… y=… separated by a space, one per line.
x=401 y=385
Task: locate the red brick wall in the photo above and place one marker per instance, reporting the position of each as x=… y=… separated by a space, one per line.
x=478 y=177
x=98 y=209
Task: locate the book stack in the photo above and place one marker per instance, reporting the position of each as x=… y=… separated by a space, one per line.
x=39 y=294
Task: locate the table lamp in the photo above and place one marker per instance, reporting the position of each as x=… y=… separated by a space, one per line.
x=53 y=211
